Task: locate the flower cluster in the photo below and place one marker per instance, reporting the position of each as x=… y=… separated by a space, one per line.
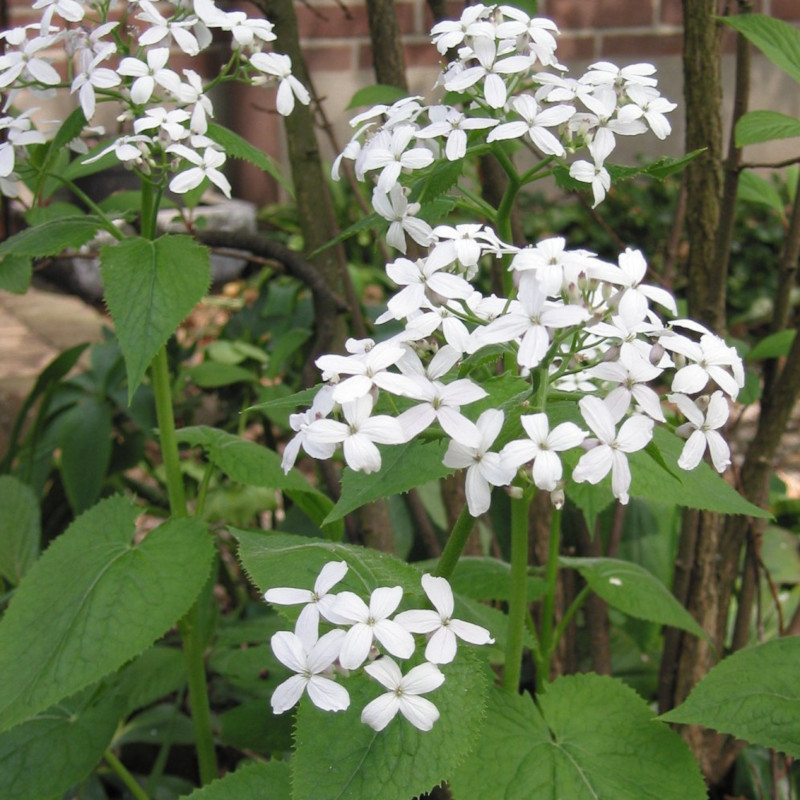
x=508 y=84
x=362 y=630
x=166 y=112
x=574 y=325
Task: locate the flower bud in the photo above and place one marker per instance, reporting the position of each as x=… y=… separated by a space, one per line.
x=557 y=498
x=656 y=354
x=514 y=492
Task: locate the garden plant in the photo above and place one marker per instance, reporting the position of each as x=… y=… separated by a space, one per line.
x=155 y=649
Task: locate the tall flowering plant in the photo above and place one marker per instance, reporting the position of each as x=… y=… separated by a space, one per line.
x=574 y=381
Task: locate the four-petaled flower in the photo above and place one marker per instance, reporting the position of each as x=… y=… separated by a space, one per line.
x=403 y=695
x=440 y=625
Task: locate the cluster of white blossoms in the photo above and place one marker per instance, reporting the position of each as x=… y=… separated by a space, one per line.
x=509 y=85
x=165 y=112
x=360 y=631
x=574 y=324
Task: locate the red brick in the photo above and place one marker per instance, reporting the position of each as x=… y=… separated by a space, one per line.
x=333 y=58
x=642 y=46
x=786 y=9
x=582 y=14
x=572 y=48
x=415 y=54
x=345 y=21
x=672 y=12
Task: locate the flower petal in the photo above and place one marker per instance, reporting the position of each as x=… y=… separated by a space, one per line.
x=327 y=694
x=440 y=594
x=396 y=639
x=421 y=713
x=441 y=647
x=381 y=711
x=288 y=693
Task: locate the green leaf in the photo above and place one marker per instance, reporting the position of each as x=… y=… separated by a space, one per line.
x=249 y=727
x=634 y=591
x=404 y=467
x=764 y=126
x=290 y=402
x=150 y=287
x=237 y=147
x=94 y=600
x=755 y=189
x=51 y=238
x=340 y=758
x=377 y=94
x=157 y=672
x=440 y=179
x=20 y=529
x=251 y=781
x=213 y=374
x=15 y=274
x=775 y=345
x=255 y=465
x=85 y=438
x=364 y=223
x=590 y=738
x=47 y=754
x=753 y=695
x=777 y=40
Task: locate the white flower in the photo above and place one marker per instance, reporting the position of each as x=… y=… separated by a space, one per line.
x=358 y=434
x=320 y=408
x=318 y=600
x=149 y=74
x=311 y=659
x=25 y=63
x=703 y=431
x=633 y=268
x=441 y=626
x=595 y=174
x=403 y=695
x=489 y=68
x=451 y=33
x=94 y=77
x=604 y=73
x=653 y=107
x=484 y=469
x=159 y=28
x=534 y=122
x=609 y=453
x=395 y=207
x=205 y=166
x=712 y=357
x=422 y=280
x=391 y=155
x=289 y=87
x=453 y=125
x=542 y=447
x=370 y=622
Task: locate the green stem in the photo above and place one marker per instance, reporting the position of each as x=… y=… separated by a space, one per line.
x=579 y=600
x=202 y=492
x=455 y=544
x=190 y=627
x=518 y=602
x=546 y=638
x=191 y=630
x=121 y=771
x=162 y=389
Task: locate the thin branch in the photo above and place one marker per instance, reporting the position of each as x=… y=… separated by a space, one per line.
x=769 y=164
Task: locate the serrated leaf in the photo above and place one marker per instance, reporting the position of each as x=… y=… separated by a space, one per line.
x=251 y=781
x=20 y=529
x=404 y=467
x=777 y=40
x=755 y=189
x=340 y=758
x=237 y=147
x=46 y=755
x=15 y=274
x=94 y=600
x=85 y=439
x=775 y=345
x=590 y=738
x=634 y=591
x=249 y=726
x=291 y=401
x=440 y=179
x=364 y=223
x=157 y=672
x=51 y=238
x=150 y=287
x=377 y=94
x=753 y=695
x=765 y=126
x=255 y=465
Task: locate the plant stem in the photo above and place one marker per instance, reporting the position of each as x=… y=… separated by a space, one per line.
x=455 y=544
x=162 y=389
x=518 y=602
x=122 y=773
x=190 y=626
x=546 y=638
x=579 y=600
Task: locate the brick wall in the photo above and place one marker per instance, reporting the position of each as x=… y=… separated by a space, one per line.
x=335 y=36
